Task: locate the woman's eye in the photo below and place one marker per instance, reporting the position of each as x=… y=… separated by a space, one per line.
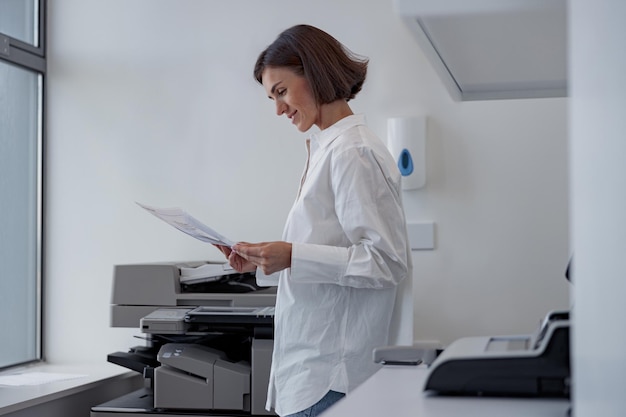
x=281 y=92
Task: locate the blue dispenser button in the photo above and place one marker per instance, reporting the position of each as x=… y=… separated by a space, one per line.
x=405 y=163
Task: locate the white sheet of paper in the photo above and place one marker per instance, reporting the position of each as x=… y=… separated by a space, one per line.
x=35 y=378
x=188 y=224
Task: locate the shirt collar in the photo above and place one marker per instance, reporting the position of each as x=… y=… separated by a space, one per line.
x=325 y=137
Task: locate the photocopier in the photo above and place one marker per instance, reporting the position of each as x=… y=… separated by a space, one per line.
x=208 y=340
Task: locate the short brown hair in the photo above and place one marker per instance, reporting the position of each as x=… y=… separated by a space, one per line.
x=333 y=71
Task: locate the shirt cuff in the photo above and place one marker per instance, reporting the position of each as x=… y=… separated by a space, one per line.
x=318 y=264
x=263 y=280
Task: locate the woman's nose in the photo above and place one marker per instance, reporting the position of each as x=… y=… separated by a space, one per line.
x=280 y=108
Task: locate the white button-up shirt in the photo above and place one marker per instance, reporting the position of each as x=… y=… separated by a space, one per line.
x=349 y=251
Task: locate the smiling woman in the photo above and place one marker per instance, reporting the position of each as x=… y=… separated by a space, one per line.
x=345 y=254
x=21 y=91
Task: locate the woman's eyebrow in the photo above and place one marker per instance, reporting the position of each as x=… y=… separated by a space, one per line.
x=274 y=86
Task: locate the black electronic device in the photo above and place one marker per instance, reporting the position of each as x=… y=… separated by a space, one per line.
x=535 y=365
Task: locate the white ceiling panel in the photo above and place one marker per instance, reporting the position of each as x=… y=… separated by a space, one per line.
x=497 y=50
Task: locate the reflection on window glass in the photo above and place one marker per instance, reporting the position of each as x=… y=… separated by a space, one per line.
x=20 y=127
x=18 y=19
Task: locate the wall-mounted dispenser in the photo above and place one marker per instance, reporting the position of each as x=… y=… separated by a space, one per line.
x=406 y=139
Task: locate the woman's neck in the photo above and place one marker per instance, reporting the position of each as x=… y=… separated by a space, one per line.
x=331 y=113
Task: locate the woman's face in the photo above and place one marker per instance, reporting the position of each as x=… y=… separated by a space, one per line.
x=293 y=96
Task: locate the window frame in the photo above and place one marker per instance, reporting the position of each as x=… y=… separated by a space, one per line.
x=24 y=54
x=33 y=58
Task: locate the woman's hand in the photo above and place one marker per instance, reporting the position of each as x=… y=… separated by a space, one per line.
x=269 y=256
x=238 y=263
x=224 y=249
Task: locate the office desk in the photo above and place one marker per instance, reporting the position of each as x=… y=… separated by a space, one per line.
x=397 y=391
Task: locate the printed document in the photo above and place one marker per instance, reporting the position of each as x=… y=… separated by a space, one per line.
x=186 y=223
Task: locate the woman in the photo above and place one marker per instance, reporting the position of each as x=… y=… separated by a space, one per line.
x=345 y=246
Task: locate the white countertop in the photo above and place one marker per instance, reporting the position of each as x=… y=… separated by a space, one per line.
x=14 y=398
x=397 y=391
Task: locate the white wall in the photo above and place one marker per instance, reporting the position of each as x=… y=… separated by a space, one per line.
x=598 y=183
x=154 y=101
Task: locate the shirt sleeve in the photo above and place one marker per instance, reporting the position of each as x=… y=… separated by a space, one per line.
x=263 y=280
x=369 y=208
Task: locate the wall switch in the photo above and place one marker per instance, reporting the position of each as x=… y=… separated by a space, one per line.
x=421 y=235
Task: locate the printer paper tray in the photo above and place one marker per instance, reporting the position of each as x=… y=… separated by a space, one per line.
x=139 y=403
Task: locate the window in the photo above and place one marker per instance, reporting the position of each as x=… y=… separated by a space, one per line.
x=22 y=77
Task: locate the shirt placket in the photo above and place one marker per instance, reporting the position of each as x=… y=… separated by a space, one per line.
x=306 y=167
